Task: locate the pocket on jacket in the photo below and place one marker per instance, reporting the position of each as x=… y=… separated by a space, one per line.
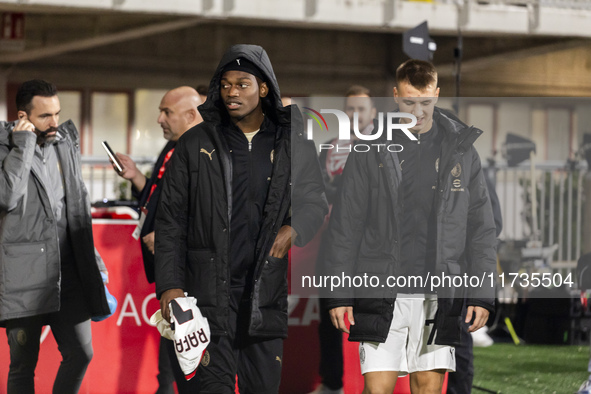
x=272 y=285
x=201 y=276
x=25 y=266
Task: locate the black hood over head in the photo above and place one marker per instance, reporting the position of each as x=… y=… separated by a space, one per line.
x=214 y=110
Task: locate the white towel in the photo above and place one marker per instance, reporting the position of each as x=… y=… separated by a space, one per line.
x=189 y=330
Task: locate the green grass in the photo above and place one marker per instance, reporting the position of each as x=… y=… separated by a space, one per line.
x=509 y=369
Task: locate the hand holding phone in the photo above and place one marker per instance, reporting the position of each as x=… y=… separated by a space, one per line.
x=131 y=172
x=114 y=159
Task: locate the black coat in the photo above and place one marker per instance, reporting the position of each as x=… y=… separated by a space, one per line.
x=364 y=233
x=151 y=205
x=194 y=215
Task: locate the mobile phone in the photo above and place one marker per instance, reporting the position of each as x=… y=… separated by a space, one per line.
x=113 y=156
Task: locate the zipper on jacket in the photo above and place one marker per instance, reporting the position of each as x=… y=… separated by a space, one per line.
x=417 y=189
x=250 y=188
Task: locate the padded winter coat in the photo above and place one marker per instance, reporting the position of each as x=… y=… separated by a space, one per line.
x=194 y=215
x=29 y=248
x=365 y=230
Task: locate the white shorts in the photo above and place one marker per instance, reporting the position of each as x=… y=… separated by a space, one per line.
x=409 y=346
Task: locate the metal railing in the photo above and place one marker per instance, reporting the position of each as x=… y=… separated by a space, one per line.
x=559 y=207
x=559 y=188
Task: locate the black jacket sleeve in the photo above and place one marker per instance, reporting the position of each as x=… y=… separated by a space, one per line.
x=309 y=206
x=142 y=195
x=172 y=222
x=346 y=224
x=496 y=205
x=481 y=238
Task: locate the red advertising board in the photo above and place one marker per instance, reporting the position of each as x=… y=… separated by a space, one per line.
x=126 y=345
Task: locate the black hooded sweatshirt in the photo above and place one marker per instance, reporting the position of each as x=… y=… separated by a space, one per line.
x=194 y=224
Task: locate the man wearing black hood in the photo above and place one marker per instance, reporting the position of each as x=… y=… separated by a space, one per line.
x=226 y=221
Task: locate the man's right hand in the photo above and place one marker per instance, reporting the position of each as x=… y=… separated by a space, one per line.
x=165 y=299
x=24 y=125
x=337 y=316
x=131 y=172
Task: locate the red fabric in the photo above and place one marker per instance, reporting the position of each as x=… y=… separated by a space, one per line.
x=126 y=354
x=126 y=347
x=160 y=172
x=337 y=157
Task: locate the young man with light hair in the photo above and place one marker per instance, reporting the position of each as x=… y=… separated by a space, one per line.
x=417 y=213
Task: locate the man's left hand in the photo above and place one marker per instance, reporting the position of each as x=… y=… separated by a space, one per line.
x=282 y=242
x=480 y=317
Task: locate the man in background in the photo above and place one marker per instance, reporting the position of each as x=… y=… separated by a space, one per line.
x=178 y=113
x=50 y=268
x=408 y=214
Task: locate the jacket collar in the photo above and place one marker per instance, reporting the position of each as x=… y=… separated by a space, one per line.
x=5 y=132
x=455 y=131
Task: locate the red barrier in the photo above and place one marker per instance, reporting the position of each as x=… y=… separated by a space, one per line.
x=126 y=346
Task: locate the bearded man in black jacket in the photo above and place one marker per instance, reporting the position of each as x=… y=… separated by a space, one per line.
x=226 y=221
x=405 y=218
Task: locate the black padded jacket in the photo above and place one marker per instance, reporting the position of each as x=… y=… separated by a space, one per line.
x=195 y=210
x=364 y=233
